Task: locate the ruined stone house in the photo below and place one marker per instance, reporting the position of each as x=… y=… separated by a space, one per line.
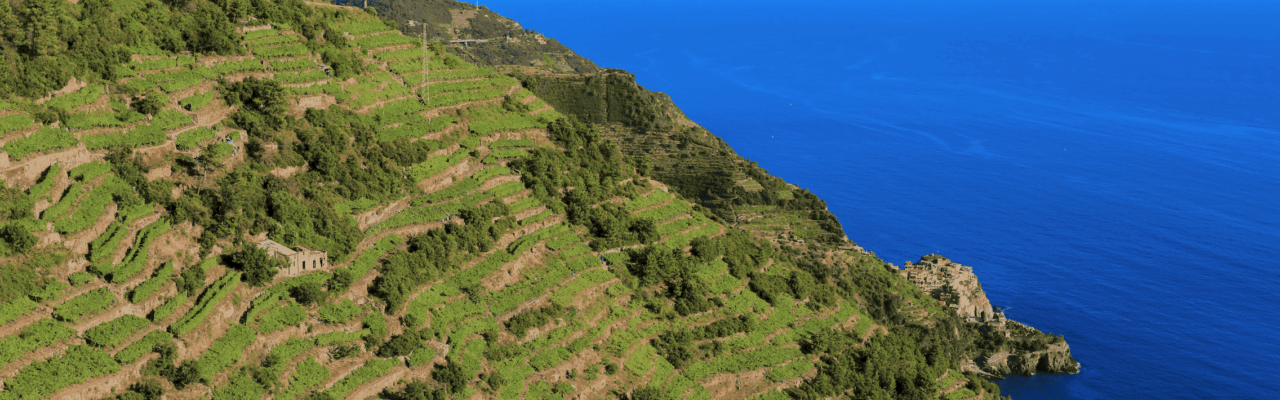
x=300 y=260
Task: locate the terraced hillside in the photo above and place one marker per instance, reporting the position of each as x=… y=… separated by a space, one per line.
x=479 y=243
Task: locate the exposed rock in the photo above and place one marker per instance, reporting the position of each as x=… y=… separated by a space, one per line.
x=1056 y=359
x=957 y=287
x=953 y=284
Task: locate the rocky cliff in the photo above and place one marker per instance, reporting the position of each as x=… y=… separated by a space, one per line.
x=1007 y=346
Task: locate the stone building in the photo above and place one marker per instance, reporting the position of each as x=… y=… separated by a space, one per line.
x=300 y=260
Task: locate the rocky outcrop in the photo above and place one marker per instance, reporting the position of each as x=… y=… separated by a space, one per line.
x=1022 y=349
x=953 y=284
x=1056 y=359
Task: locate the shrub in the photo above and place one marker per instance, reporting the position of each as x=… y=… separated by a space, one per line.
x=282 y=51
x=42 y=333
x=42 y=379
x=197 y=101
x=93 y=301
x=309 y=293
x=171 y=119
x=401 y=345
x=306 y=375
x=44 y=139
x=192 y=279
x=46 y=182
x=339 y=312
x=386 y=39
x=376 y=326
x=512 y=143
x=280 y=317
x=79 y=278
x=136 y=259
x=259 y=267
x=16 y=122
x=436 y=165
x=86 y=95
x=293 y=65
x=146 y=135
x=261 y=33
x=92 y=207
x=225 y=352
x=206 y=303
x=418 y=129
x=508 y=124
x=17 y=238
x=150 y=104
x=169 y=306
x=330 y=338
x=279 y=291
x=191 y=139
x=371 y=369
x=141 y=347
x=301 y=77
x=52 y=290
x=275 y=40
x=234 y=67
x=363 y=28
x=520 y=323
x=105 y=245
x=111 y=333
x=142 y=291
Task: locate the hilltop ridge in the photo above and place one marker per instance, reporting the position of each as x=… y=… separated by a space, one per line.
x=488 y=232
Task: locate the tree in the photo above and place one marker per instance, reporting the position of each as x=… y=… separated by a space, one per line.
x=43 y=19
x=451 y=375
x=18 y=239
x=416 y=390
x=150 y=389
x=649 y=393
x=10 y=28
x=343 y=63
x=211 y=31
x=309 y=293
x=402 y=345
x=258 y=266
x=149 y=105
x=14 y=204
x=177 y=4
x=341 y=280
x=191 y=280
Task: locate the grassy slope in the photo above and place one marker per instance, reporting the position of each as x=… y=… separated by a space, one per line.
x=609 y=326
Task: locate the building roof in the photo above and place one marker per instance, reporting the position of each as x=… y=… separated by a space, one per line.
x=272 y=246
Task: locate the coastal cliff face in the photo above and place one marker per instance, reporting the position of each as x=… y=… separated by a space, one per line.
x=1056 y=359
x=953 y=284
x=1008 y=346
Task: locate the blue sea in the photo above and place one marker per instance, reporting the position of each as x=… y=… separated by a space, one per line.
x=1111 y=169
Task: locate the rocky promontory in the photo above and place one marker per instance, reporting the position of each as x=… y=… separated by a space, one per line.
x=1006 y=346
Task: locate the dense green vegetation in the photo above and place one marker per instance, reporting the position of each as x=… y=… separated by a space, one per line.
x=478 y=240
